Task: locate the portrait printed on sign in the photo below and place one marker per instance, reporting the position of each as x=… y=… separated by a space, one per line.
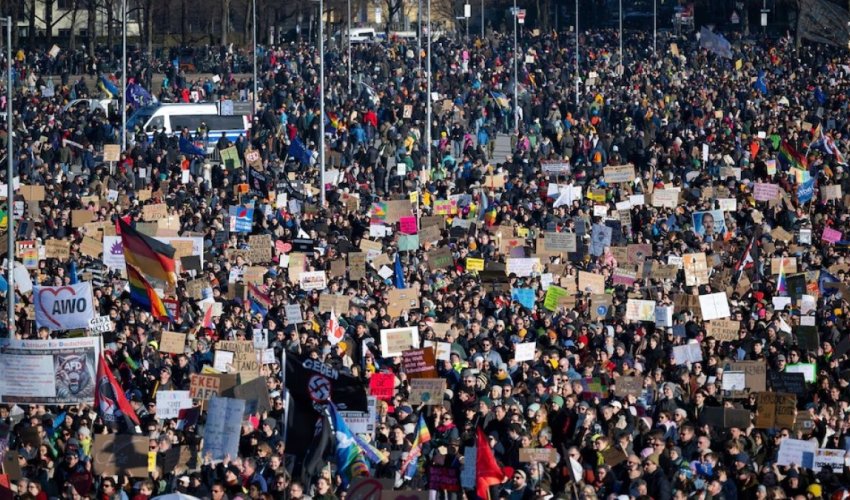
x=710 y=224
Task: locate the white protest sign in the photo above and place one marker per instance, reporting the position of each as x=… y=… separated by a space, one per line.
x=525 y=351
x=714 y=306
x=63 y=307
x=394 y=341
x=734 y=381
x=100 y=324
x=169 y=403
x=688 y=353
x=797 y=451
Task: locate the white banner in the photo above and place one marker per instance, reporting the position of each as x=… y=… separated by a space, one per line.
x=169 y=403
x=63 y=307
x=49 y=372
x=113 y=250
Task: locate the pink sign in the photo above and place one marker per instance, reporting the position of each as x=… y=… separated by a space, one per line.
x=831 y=235
x=407 y=224
x=765 y=192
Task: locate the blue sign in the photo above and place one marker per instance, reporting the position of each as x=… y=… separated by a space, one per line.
x=241 y=219
x=806 y=191
x=525 y=296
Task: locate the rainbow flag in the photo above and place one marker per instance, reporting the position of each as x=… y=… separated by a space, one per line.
x=333 y=120
x=349 y=457
x=791 y=158
x=373 y=454
x=260 y=301
x=423 y=435
x=148 y=255
x=143 y=295
x=782 y=281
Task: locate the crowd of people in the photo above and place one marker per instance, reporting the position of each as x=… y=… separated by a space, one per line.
x=751 y=147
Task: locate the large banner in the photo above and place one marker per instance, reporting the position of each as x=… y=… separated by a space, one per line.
x=66 y=307
x=49 y=372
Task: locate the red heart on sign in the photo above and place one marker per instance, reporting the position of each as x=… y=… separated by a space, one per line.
x=283 y=247
x=55 y=292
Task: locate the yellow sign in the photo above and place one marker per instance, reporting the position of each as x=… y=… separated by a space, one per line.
x=474 y=264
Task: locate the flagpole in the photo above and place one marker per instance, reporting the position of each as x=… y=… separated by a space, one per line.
x=322 y=98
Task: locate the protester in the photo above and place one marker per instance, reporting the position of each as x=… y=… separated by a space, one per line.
x=592 y=336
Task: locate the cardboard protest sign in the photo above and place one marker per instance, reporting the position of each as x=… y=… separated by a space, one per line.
x=244 y=358
x=541 y=455
x=629 y=386
x=427 y=391
x=755 y=373
x=255 y=393
x=394 y=341
x=723 y=330
x=204 y=387
x=775 y=410
x=120 y=454
x=337 y=303
x=401 y=300
x=172 y=342
x=591 y=283
x=696 y=269
x=57 y=249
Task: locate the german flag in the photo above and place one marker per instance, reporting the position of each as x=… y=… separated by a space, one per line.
x=150 y=256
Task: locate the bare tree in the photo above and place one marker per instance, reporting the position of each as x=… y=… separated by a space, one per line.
x=225 y=20
x=393 y=8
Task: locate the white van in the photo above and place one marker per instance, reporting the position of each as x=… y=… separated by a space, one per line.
x=156 y=116
x=362 y=35
x=175 y=117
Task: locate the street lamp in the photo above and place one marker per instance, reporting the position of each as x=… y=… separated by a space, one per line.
x=621 y=35
x=254 y=43
x=428 y=92
x=322 y=97
x=349 y=48
x=577 y=77
x=123 y=74
x=10 y=188
x=516 y=73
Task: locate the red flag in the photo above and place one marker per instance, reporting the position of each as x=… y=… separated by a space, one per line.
x=487 y=470
x=112 y=405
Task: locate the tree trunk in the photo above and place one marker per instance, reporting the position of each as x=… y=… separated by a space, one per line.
x=48 y=23
x=110 y=28
x=225 y=20
x=147 y=14
x=91 y=26
x=184 y=21
x=246 y=26
x=31 y=20
x=13 y=11
x=72 y=41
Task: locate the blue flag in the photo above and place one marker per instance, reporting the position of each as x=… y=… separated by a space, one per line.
x=760 y=84
x=299 y=152
x=825 y=278
x=72 y=272
x=399 y=274
x=188 y=148
x=806 y=191
x=138 y=96
x=349 y=457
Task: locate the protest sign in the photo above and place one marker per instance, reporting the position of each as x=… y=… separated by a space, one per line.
x=714 y=306
x=419 y=363
x=725 y=418
x=120 y=454
x=169 y=403
x=765 y=192
x=394 y=341
x=203 y=387
x=619 y=174
x=524 y=351
x=829 y=459
x=559 y=242
x=591 y=283
x=541 y=455
x=800 y=452
x=688 y=353
x=442 y=478
x=696 y=269
x=255 y=393
x=775 y=410
x=523 y=267
x=66 y=307
x=723 y=330
x=244 y=357
x=427 y=391
x=755 y=373
x=172 y=342
x=640 y=310
x=313 y=280
x=337 y=303
x=809 y=370
x=223 y=427
x=400 y=300
x=382 y=385
x=49 y=372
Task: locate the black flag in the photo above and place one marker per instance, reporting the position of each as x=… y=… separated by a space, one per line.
x=311 y=382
